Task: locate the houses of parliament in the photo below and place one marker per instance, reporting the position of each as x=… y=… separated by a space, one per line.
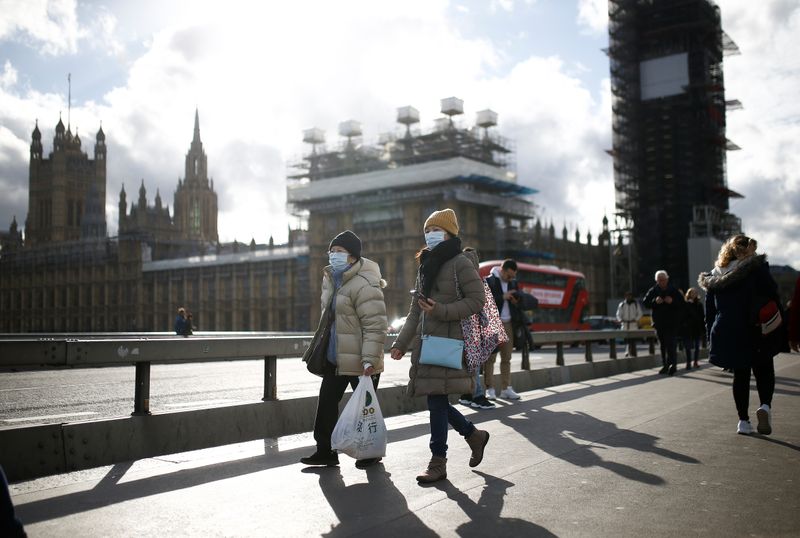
x=65 y=274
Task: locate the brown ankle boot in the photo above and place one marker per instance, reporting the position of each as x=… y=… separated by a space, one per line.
x=477 y=442
x=437 y=470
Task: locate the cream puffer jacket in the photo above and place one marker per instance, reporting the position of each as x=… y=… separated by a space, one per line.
x=361 y=323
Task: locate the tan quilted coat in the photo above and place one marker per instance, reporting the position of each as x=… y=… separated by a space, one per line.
x=444 y=320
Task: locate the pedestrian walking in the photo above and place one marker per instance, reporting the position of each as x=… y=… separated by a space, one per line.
x=667 y=305
x=183 y=324
x=693 y=327
x=352 y=290
x=503 y=284
x=448 y=289
x=628 y=312
x=734 y=286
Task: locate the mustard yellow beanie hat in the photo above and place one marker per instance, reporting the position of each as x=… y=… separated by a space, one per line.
x=445 y=219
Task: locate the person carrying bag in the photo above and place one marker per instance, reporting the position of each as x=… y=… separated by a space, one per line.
x=360 y=431
x=437 y=298
x=353 y=322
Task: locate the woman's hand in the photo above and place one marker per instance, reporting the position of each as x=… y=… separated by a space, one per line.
x=396 y=354
x=369 y=371
x=426 y=304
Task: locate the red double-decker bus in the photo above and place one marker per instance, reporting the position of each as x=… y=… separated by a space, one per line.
x=561 y=294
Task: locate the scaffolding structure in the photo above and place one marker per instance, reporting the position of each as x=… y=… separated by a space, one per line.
x=445 y=140
x=668 y=131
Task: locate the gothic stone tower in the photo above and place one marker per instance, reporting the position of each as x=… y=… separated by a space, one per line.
x=67 y=192
x=195 y=199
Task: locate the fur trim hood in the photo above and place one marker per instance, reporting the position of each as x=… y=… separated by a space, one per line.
x=721 y=277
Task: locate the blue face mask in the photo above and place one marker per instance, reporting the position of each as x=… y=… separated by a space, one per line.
x=338 y=260
x=434 y=238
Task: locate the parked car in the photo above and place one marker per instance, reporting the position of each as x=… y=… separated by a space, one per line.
x=602 y=323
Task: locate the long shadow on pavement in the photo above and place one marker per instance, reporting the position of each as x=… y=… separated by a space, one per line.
x=556 y=433
x=366 y=506
x=108 y=492
x=485 y=515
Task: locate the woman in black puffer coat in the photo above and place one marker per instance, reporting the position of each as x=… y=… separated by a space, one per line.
x=735 y=287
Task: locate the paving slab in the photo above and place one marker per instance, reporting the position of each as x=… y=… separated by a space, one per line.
x=631 y=455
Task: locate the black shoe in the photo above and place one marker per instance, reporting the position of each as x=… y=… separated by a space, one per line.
x=329 y=458
x=363 y=464
x=481 y=402
x=672 y=370
x=688 y=366
x=663 y=370
x=465 y=399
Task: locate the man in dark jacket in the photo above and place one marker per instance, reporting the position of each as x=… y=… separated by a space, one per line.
x=510 y=301
x=667 y=304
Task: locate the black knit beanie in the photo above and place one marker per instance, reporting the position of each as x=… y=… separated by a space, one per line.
x=348 y=241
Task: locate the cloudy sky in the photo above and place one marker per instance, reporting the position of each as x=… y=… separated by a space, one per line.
x=261 y=72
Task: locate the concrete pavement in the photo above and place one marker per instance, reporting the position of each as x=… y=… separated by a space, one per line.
x=635 y=454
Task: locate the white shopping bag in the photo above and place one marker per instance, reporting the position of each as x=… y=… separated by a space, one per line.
x=360 y=431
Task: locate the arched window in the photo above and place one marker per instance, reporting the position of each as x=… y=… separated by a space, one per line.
x=194 y=217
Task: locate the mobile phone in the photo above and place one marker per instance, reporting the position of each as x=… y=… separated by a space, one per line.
x=417 y=294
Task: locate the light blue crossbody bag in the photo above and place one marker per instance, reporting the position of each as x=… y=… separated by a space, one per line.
x=440 y=351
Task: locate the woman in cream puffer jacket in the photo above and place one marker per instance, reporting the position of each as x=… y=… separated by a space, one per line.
x=360 y=317
x=352 y=291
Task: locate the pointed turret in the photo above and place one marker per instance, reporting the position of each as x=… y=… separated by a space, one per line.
x=142 y=196
x=196 y=137
x=36 y=144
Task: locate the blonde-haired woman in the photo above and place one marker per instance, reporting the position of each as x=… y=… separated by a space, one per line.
x=732 y=287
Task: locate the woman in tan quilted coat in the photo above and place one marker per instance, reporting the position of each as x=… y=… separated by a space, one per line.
x=438 y=309
x=352 y=289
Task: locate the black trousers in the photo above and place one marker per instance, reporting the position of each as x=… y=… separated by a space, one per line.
x=330 y=394
x=764 y=372
x=669 y=347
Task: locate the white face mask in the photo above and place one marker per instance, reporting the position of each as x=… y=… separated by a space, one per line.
x=338 y=260
x=434 y=238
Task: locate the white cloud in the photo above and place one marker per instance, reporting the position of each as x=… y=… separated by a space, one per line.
x=9 y=76
x=593 y=15
x=260 y=77
x=51 y=26
x=765 y=79
x=505 y=5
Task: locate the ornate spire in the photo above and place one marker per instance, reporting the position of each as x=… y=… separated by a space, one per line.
x=196 y=137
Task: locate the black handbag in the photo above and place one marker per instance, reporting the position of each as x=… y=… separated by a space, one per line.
x=317 y=360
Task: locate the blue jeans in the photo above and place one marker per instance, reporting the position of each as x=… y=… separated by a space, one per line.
x=442 y=414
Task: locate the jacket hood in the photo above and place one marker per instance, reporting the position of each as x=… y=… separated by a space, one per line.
x=495 y=272
x=472 y=256
x=722 y=277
